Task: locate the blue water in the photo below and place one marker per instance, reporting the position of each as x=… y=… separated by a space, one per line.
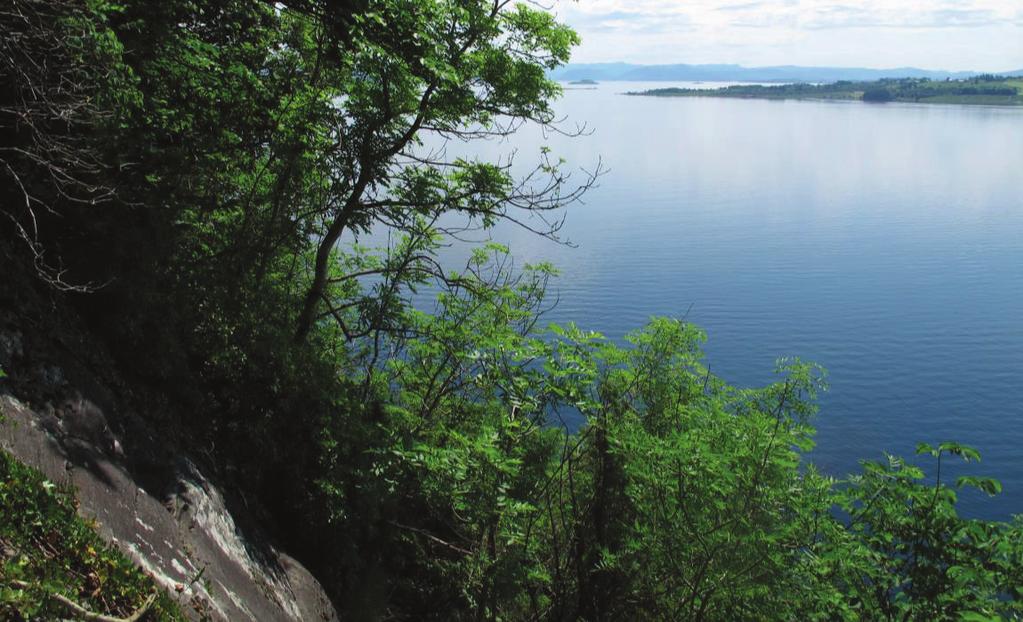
x=884 y=242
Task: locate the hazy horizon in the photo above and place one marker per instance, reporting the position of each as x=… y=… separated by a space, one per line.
x=935 y=35
x=979 y=70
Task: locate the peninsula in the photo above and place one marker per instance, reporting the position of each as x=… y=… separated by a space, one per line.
x=987 y=90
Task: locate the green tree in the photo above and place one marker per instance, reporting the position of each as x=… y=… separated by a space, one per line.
x=465 y=70
x=878 y=95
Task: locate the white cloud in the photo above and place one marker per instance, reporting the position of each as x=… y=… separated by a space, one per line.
x=937 y=34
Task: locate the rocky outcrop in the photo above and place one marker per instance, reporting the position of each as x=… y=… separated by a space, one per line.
x=66 y=411
x=186 y=537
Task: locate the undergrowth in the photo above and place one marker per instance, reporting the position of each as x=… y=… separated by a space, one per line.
x=52 y=559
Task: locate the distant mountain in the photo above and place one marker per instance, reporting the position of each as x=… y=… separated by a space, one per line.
x=738 y=73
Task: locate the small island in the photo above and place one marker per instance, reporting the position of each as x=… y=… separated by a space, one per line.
x=988 y=90
x=584 y=83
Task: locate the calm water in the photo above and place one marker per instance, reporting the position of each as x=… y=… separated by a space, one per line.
x=883 y=241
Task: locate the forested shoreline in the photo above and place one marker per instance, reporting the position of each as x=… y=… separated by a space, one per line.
x=187 y=178
x=984 y=90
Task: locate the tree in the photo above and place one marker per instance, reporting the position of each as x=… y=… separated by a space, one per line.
x=61 y=85
x=466 y=71
x=878 y=95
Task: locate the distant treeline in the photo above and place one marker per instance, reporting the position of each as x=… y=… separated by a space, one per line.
x=986 y=89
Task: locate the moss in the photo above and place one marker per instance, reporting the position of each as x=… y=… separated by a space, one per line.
x=46 y=549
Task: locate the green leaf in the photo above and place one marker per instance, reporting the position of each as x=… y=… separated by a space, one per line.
x=989 y=485
x=975 y=616
x=955 y=449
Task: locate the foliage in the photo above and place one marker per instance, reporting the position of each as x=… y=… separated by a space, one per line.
x=209 y=171
x=906 y=554
x=680 y=497
x=46 y=549
x=58 y=65
x=878 y=95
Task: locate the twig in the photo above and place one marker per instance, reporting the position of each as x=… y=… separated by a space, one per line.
x=429 y=536
x=85 y=614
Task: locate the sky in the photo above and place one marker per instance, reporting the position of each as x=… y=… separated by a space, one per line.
x=955 y=35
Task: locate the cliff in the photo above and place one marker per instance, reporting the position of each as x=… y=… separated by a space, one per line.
x=65 y=410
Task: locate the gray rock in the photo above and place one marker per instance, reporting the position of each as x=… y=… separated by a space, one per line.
x=188 y=541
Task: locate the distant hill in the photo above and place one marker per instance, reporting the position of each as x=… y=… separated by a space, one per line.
x=738 y=73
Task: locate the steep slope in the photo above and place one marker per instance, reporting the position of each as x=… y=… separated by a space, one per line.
x=65 y=410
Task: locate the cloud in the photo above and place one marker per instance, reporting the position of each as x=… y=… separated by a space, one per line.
x=740 y=7
x=957 y=34
x=857 y=17
x=633 y=21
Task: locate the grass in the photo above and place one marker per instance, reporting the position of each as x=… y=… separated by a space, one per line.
x=52 y=560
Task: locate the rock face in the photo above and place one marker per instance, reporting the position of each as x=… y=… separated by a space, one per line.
x=68 y=409
x=185 y=535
